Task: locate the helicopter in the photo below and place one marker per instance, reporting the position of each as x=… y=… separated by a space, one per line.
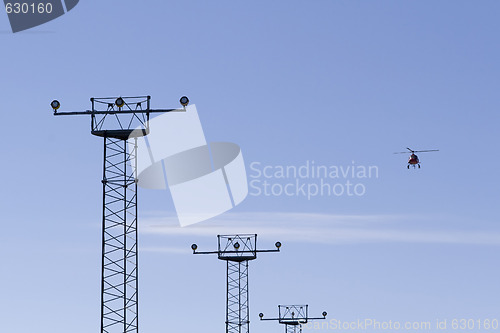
x=413 y=160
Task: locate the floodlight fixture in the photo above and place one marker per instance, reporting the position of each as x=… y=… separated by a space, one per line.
x=184 y=101
x=119 y=102
x=55 y=105
x=278 y=245
x=236 y=245
x=261 y=315
x=194 y=247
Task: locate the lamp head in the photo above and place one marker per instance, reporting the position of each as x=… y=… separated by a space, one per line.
x=261 y=315
x=55 y=105
x=194 y=247
x=236 y=245
x=184 y=101
x=324 y=313
x=278 y=245
x=119 y=102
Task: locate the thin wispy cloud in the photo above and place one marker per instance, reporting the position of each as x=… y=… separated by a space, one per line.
x=325 y=228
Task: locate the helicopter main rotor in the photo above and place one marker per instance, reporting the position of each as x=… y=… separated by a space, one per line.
x=416 y=151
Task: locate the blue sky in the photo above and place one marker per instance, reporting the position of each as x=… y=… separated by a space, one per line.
x=334 y=82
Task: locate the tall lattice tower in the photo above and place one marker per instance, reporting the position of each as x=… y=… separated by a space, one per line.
x=119 y=121
x=237 y=251
x=293 y=317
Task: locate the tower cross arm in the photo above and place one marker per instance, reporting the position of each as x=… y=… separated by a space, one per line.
x=117 y=106
x=194 y=247
x=270 y=318
x=233 y=251
x=91 y=112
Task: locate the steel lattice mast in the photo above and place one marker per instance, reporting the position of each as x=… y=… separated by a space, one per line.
x=237 y=251
x=119 y=306
x=119 y=121
x=293 y=317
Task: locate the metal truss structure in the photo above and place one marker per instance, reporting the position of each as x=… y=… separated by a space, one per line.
x=237 y=251
x=119 y=121
x=293 y=317
x=119 y=306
